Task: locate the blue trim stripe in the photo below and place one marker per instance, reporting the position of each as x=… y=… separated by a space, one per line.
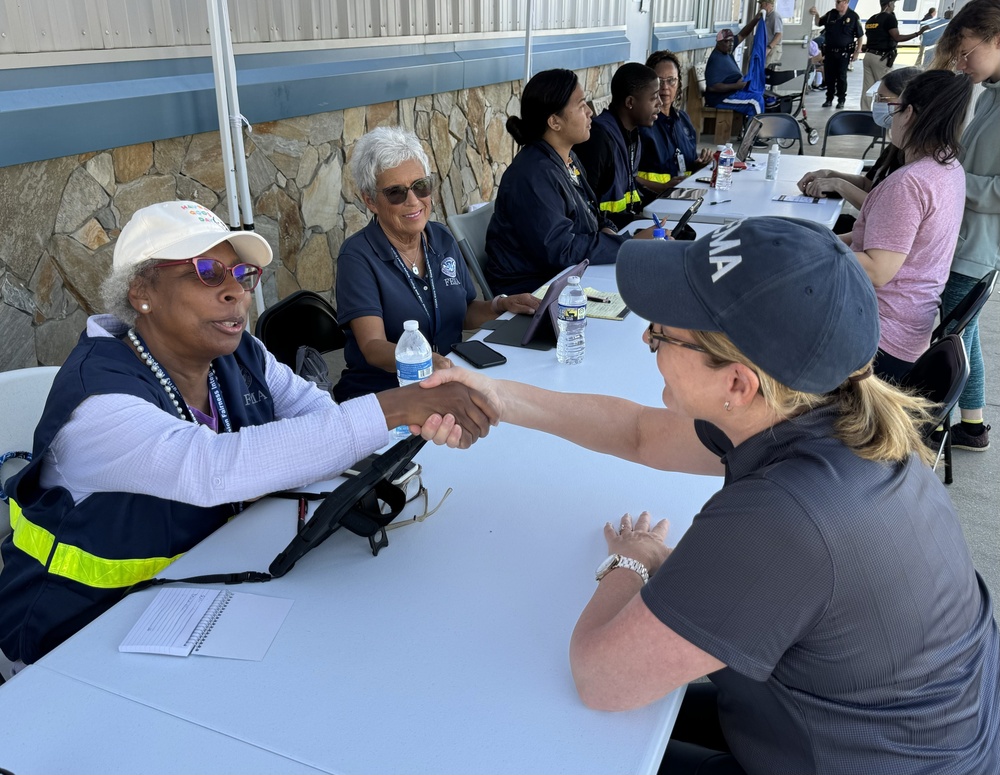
x=50 y=112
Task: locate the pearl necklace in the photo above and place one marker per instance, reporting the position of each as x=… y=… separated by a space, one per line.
x=159 y=373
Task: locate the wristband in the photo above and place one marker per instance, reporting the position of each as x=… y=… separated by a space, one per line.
x=495 y=304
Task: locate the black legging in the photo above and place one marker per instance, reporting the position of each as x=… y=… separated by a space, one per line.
x=697 y=745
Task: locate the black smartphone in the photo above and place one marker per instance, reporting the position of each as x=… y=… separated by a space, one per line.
x=365 y=463
x=478 y=354
x=704 y=180
x=687 y=215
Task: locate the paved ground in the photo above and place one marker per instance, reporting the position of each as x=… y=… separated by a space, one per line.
x=976 y=489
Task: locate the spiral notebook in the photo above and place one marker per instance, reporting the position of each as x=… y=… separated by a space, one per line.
x=209 y=622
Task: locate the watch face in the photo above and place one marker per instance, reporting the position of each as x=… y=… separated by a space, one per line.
x=607 y=565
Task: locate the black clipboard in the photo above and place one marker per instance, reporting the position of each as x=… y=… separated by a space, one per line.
x=538 y=331
x=355 y=505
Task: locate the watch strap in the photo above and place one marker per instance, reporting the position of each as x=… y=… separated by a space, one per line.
x=619 y=561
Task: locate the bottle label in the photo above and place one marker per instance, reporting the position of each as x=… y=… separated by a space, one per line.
x=414 y=372
x=568 y=313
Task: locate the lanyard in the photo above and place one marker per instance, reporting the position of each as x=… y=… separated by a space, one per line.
x=435 y=319
x=213 y=387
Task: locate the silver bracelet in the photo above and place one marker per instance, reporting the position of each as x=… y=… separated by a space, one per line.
x=494 y=305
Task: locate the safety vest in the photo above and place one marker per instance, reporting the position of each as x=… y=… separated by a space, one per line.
x=660 y=144
x=66 y=563
x=623 y=193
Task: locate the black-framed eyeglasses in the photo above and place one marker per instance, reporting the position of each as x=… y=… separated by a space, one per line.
x=396 y=195
x=212 y=272
x=655 y=337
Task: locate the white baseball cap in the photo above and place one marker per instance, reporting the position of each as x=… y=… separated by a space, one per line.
x=175 y=231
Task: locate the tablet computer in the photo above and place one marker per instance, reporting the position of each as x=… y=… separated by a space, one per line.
x=539 y=331
x=364 y=504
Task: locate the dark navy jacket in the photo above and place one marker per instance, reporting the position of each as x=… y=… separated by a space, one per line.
x=611 y=159
x=543 y=223
x=660 y=144
x=41 y=604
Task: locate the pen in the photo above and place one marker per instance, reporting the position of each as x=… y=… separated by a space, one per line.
x=601 y=299
x=302 y=513
x=722 y=202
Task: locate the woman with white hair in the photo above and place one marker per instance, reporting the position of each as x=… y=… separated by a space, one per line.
x=402 y=266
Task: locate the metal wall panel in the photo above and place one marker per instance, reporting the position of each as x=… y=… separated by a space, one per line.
x=32 y=26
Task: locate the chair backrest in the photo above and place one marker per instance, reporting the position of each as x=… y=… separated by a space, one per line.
x=469 y=230
x=956 y=320
x=779 y=126
x=303 y=318
x=22 y=398
x=853 y=122
x=939 y=375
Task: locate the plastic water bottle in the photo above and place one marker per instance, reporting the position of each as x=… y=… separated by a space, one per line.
x=727 y=161
x=572 y=323
x=659 y=233
x=773 y=158
x=414 y=362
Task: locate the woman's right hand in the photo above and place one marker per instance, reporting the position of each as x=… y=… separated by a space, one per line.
x=809 y=177
x=490 y=388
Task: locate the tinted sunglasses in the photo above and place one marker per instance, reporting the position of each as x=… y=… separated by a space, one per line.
x=396 y=195
x=212 y=272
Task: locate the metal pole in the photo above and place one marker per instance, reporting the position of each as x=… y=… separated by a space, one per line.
x=230 y=125
x=527 y=41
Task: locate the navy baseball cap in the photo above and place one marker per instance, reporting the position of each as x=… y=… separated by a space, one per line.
x=787 y=292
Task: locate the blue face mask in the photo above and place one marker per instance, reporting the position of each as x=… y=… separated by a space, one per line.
x=882 y=114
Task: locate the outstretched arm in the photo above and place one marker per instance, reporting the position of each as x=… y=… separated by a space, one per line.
x=659 y=438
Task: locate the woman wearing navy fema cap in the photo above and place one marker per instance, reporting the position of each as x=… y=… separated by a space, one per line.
x=826 y=589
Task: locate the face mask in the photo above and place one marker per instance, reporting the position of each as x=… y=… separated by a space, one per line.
x=881 y=114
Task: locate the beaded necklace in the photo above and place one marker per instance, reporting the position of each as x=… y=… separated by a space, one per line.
x=171 y=389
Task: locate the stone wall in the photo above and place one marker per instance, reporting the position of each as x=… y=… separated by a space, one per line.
x=59 y=218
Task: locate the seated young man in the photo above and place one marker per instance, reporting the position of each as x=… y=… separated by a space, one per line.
x=611 y=156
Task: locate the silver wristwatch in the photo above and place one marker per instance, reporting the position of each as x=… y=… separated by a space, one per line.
x=617 y=561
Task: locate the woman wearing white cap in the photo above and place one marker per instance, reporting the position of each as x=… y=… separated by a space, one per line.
x=162 y=422
x=826 y=589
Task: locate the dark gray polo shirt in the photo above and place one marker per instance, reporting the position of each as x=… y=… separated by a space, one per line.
x=841 y=596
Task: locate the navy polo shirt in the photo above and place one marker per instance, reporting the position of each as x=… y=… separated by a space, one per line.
x=720 y=68
x=372 y=282
x=661 y=142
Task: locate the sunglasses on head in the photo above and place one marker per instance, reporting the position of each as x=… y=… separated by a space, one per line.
x=212 y=272
x=396 y=195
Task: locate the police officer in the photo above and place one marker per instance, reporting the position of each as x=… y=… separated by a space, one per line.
x=842 y=30
x=882 y=34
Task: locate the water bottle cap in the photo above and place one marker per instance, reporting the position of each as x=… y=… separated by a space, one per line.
x=411 y=325
x=573 y=280
x=775 y=148
x=659 y=233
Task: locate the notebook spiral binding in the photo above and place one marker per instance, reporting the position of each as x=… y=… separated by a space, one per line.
x=209 y=620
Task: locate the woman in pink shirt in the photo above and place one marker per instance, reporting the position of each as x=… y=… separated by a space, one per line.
x=905 y=236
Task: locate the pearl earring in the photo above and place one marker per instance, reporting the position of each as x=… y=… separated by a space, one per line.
x=144 y=307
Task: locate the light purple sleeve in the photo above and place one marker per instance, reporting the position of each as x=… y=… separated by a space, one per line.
x=120 y=443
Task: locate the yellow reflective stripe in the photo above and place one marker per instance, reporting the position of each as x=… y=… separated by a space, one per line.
x=86 y=568
x=656 y=177
x=619 y=205
x=76 y=564
x=31 y=539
